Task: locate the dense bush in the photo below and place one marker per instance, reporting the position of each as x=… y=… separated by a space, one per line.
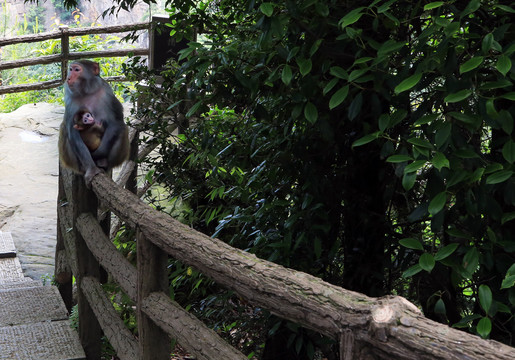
x=370 y=144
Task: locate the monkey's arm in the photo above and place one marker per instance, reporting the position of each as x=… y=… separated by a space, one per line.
x=114 y=129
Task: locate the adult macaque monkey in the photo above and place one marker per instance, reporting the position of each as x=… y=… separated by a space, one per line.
x=84 y=88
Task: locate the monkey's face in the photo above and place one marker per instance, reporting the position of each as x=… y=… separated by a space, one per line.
x=87 y=119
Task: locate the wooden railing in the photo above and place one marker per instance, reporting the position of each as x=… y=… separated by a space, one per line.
x=364 y=327
x=64 y=35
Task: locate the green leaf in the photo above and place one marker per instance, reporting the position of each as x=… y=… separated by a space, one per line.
x=437 y=203
x=488 y=40
x=408 y=83
x=508 y=282
x=338 y=97
x=472 y=6
x=193 y=109
x=420 y=142
x=267 y=8
x=356 y=74
x=305 y=66
x=286 y=74
x=366 y=139
x=459 y=96
x=503 y=64
x=408 y=180
x=355 y=107
x=399 y=158
x=351 y=18
x=485 y=297
x=471 y=260
x=415 y=269
x=509 y=96
x=339 y=72
x=439 y=161
x=311 y=112
x=433 y=5
x=384 y=122
x=484 y=327
x=440 y=307
x=426 y=262
x=499 y=177
x=389 y=47
x=411 y=243
x=414 y=166
x=446 y=251
x=508 y=151
x=505 y=8
x=330 y=86
x=426 y=119
x=471 y=64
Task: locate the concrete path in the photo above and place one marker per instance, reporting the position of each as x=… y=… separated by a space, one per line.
x=28 y=184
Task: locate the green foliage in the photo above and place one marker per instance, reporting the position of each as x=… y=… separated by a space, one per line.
x=325 y=132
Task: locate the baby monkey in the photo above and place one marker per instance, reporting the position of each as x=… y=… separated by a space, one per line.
x=91 y=132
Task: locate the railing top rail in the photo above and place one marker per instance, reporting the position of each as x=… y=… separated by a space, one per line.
x=74 y=32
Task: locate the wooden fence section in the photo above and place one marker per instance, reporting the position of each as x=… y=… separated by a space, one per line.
x=366 y=328
x=64 y=35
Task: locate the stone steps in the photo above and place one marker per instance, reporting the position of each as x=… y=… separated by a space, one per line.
x=34 y=322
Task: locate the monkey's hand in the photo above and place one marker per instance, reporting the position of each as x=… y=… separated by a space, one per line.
x=90 y=174
x=102 y=163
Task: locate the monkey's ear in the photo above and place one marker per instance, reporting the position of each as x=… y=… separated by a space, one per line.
x=95 y=68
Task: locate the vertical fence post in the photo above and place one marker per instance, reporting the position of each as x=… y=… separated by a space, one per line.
x=63 y=273
x=131 y=184
x=154 y=343
x=65 y=51
x=90 y=333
